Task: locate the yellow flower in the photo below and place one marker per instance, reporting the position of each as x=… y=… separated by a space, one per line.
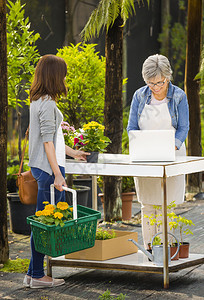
x=49 y=207
x=62 y=205
x=38 y=213
x=101 y=127
x=71 y=208
x=58 y=215
x=46 y=212
x=45 y=202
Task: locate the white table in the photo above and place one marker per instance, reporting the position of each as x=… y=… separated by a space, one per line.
x=120 y=165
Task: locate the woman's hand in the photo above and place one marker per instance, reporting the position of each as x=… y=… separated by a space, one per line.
x=81 y=155
x=59 y=182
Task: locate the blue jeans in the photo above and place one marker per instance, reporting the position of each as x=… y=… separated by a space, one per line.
x=44 y=180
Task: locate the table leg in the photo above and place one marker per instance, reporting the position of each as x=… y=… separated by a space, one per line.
x=49 y=268
x=165 y=235
x=94 y=192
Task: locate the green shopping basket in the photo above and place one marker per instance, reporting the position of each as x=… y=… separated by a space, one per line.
x=75 y=235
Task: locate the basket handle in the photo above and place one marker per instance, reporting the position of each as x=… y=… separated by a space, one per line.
x=74 y=194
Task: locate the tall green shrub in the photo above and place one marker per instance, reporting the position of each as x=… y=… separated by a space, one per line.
x=22 y=53
x=86 y=84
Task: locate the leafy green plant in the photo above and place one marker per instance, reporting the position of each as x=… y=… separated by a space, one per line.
x=175 y=221
x=22 y=52
x=86 y=84
x=91 y=137
x=156 y=219
x=107 y=296
x=102 y=234
x=184 y=224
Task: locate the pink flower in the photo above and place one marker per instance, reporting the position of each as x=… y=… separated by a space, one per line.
x=66 y=126
x=76 y=140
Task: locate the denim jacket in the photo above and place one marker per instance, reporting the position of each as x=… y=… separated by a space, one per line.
x=178 y=109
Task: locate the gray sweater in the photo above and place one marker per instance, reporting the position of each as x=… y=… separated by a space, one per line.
x=45 y=120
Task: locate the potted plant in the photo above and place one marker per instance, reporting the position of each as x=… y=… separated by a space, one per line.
x=175 y=222
x=128 y=194
x=108 y=244
x=82 y=190
x=183 y=225
x=91 y=139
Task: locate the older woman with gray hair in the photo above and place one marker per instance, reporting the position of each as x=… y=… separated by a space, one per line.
x=159 y=105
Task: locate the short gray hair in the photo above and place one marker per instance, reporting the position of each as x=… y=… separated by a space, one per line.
x=156 y=66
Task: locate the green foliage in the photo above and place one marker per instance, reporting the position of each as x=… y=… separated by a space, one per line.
x=16 y=266
x=105 y=15
x=200 y=75
x=125 y=137
x=174 y=221
x=102 y=234
x=54 y=214
x=127 y=184
x=175 y=48
x=92 y=138
x=184 y=224
x=86 y=85
x=107 y=296
x=12 y=158
x=12 y=150
x=178 y=44
x=22 y=52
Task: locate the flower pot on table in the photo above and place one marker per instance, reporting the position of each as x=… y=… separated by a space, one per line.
x=93 y=157
x=173 y=250
x=184 y=250
x=108 y=249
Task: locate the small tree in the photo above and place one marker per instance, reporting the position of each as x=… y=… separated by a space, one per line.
x=22 y=54
x=86 y=84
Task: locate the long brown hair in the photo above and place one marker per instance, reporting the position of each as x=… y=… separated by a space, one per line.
x=49 y=78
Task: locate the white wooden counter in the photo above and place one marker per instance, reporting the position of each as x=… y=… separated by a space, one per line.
x=120 y=165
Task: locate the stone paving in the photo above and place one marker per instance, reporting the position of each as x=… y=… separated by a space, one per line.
x=86 y=284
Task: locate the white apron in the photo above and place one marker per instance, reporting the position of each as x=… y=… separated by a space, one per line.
x=149 y=190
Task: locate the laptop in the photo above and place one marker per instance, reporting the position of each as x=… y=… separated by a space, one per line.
x=152 y=145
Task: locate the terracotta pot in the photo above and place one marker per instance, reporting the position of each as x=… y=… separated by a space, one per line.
x=184 y=250
x=173 y=250
x=127 y=199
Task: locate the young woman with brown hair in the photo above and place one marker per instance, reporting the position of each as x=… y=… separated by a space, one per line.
x=47 y=150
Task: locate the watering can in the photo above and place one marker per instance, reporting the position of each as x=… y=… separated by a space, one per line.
x=157 y=250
